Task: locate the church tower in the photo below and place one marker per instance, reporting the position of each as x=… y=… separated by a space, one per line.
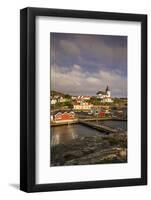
x=108 y=92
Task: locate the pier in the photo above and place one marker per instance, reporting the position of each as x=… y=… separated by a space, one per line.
x=89 y=123
x=99 y=127
x=103 y=119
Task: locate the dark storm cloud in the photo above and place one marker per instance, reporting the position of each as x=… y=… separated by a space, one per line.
x=97 y=59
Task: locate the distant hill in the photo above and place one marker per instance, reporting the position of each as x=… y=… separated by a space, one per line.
x=56 y=93
x=53 y=93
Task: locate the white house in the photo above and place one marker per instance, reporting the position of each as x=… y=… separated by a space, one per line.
x=53 y=101
x=62 y=99
x=82 y=106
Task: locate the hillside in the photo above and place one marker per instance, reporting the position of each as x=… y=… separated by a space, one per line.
x=56 y=93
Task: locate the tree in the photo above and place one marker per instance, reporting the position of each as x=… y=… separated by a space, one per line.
x=67 y=96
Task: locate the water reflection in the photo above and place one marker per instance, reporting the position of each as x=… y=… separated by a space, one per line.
x=63 y=134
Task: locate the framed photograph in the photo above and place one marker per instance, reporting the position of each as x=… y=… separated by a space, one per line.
x=83 y=99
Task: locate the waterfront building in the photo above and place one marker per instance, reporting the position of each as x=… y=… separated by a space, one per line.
x=63 y=117
x=101 y=114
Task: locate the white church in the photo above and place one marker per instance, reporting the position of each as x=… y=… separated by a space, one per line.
x=105 y=96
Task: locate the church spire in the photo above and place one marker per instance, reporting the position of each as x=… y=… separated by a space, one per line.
x=107 y=88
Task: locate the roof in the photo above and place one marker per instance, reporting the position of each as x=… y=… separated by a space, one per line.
x=101 y=92
x=61 y=111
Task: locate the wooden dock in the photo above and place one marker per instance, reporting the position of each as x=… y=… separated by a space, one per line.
x=99 y=127
x=103 y=119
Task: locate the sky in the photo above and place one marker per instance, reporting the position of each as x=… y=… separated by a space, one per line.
x=83 y=64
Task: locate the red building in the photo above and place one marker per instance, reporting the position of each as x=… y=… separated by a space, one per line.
x=102 y=114
x=66 y=116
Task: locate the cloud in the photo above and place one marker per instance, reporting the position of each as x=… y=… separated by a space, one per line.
x=75 y=81
x=90 y=51
x=77 y=67
x=83 y=64
x=69 y=47
x=100 y=49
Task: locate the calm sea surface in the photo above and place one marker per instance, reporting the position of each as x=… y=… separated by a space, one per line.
x=63 y=134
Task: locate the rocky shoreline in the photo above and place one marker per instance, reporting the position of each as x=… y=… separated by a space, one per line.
x=102 y=149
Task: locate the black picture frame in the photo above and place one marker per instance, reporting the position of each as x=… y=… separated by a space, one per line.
x=28 y=99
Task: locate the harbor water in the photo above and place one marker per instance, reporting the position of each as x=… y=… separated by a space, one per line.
x=67 y=133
